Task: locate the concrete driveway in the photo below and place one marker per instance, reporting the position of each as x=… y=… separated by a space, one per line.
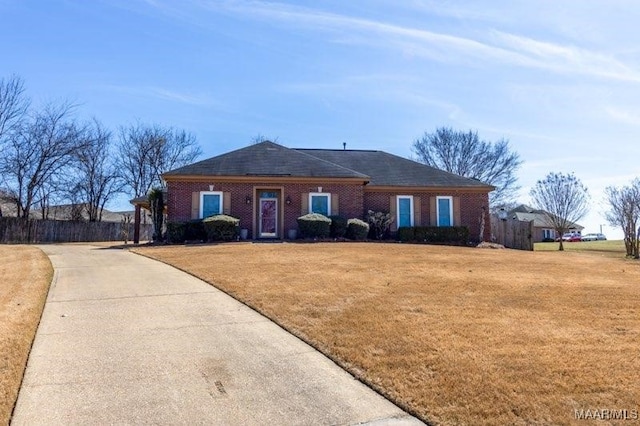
x=128 y=340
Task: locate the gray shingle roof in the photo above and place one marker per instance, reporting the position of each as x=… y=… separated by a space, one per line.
x=540 y=219
x=267 y=159
x=390 y=170
x=375 y=167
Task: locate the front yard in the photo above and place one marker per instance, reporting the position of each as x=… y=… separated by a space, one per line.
x=455 y=335
x=26 y=274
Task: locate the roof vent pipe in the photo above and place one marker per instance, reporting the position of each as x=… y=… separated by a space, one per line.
x=344 y=146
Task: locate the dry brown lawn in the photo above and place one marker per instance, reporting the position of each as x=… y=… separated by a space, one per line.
x=454 y=335
x=25 y=273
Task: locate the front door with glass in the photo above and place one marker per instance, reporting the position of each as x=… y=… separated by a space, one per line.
x=268 y=217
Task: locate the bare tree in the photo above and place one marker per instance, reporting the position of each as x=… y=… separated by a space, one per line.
x=563 y=198
x=464 y=154
x=259 y=138
x=96 y=178
x=146 y=152
x=13 y=104
x=37 y=153
x=625 y=212
x=13 y=108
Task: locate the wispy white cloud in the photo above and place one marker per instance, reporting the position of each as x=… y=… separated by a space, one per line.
x=623 y=115
x=476 y=11
x=165 y=94
x=568 y=58
x=493 y=46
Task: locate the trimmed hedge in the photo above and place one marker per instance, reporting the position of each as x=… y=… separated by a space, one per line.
x=338 y=227
x=314 y=225
x=179 y=232
x=221 y=227
x=406 y=234
x=454 y=235
x=357 y=229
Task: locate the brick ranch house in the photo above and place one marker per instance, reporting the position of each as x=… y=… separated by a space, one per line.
x=268 y=186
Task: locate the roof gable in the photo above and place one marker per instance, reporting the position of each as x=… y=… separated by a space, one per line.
x=266 y=159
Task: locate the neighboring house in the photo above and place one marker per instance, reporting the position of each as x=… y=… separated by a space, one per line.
x=542 y=229
x=268 y=186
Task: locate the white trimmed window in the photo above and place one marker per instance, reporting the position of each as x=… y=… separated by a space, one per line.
x=404 y=210
x=210 y=203
x=320 y=202
x=444 y=208
x=548 y=234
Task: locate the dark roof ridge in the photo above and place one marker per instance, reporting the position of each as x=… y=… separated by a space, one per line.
x=332 y=163
x=336 y=149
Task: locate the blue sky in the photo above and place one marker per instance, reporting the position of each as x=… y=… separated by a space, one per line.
x=559 y=79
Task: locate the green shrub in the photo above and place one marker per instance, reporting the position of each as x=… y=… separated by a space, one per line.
x=221 y=227
x=406 y=233
x=357 y=229
x=314 y=225
x=194 y=231
x=175 y=232
x=454 y=235
x=338 y=227
x=179 y=232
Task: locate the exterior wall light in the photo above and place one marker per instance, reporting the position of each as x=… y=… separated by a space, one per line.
x=247 y=199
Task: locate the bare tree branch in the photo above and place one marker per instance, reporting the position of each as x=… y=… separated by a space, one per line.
x=625 y=212
x=38 y=153
x=96 y=180
x=563 y=198
x=464 y=154
x=259 y=138
x=13 y=104
x=146 y=152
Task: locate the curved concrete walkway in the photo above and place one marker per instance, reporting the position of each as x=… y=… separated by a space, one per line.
x=127 y=340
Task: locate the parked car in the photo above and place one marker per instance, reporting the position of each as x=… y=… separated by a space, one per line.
x=593 y=237
x=571 y=237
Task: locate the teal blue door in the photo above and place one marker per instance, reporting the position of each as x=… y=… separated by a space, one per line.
x=210 y=205
x=404 y=212
x=444 y=212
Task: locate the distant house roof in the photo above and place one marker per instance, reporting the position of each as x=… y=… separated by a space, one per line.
x=540 y=219
x=373 y=167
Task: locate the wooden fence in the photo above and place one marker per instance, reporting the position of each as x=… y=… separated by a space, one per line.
x=512 y=233
x=18 y=230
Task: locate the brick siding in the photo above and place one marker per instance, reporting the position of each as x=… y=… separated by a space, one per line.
x=353 y=202
x=470 y=208
x=349 y=196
